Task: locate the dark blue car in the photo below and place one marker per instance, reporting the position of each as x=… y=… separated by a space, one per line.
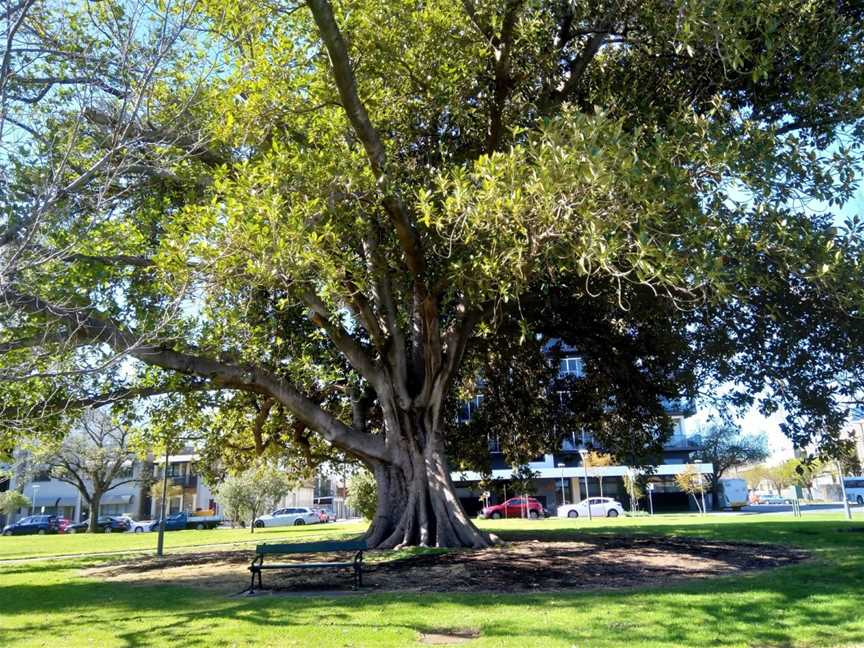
x=38 y=524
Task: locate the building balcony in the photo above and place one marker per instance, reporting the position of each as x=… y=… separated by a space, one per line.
x=186 y=481
x=681 y=442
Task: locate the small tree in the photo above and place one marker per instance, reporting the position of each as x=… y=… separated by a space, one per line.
x=522 y=481
x=690 y=482
x=634 y=487
x=782 y=475
x=247 y=494
x=724 y=446
x=11 y=501
x=803 y=473
x=95 y=457
x=754 y=476
x=363 y=494
x=599 y=460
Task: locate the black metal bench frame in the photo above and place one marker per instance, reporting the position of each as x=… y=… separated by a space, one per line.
x=356 y=565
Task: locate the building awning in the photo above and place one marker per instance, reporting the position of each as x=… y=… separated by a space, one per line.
x=53 y=501
x=181 y=458
x=579 y=472
x=116 y=499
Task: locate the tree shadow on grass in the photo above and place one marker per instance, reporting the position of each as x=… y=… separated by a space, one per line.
x=764 y=609
x=815 y=603
x=815 y=534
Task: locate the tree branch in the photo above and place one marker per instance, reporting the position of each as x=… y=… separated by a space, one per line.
x=503 y=81
x=356 y=112
x=320 y=316
x=255 y=379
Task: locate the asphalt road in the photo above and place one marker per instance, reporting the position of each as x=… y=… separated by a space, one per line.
x=830 y=507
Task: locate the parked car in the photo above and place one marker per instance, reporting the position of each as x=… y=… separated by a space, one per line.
x=514 y=507
x=296 y=516
x=774 y=500
x=137 y=526
x=600 y=507
x=141 y=526
x=182 y=520
x=78 y=527
x=33 y=524
x=113 y=523
x=323 y=515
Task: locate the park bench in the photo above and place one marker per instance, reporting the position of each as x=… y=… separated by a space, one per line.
x=329 y=546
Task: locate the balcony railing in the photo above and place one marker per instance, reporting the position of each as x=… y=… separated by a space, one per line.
x=187 y=481
x=682 y=442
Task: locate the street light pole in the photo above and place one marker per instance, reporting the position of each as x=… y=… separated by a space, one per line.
x=563 y=497
x=846 y=508
x=160 y=542
x=35 y=495
x=583 y=454
x=650 y=488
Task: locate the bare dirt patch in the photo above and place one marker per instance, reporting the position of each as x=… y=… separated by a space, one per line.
x=589 y=563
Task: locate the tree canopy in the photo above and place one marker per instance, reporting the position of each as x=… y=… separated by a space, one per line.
x=321 y=220
x=724 y=446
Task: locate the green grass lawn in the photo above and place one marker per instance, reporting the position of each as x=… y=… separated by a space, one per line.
x=32 y=546
x=816 y=603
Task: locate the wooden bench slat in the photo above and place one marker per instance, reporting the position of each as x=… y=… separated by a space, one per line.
x=311 y=547
x=358 y=546
x=303 y=565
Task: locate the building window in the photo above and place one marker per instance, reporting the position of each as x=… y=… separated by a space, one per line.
x=571 y=366
x=176 y=469
x=467 y=410
x=112 y=509
x=42 y=476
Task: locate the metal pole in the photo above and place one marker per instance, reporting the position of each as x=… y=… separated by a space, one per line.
x=35 y=490
x=563 y=497
x=160 y=543
x=587 y=494
x=846 y=508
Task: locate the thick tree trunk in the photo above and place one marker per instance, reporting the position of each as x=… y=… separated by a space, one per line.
x=417 y=504
x=92 y=521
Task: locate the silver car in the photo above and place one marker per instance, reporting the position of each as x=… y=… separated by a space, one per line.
x=296 y=516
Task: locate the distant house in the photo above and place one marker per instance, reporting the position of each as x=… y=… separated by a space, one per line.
x=52 y=496
x=189 y=492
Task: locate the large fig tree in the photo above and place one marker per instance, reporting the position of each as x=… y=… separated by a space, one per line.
x=319 y=208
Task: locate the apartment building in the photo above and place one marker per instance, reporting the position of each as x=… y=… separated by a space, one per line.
x=562 y=478
x=52 y=496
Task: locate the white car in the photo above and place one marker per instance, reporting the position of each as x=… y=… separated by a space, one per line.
x=141 y=526
x=773 y=500
x=600 y=507
x=296 y=516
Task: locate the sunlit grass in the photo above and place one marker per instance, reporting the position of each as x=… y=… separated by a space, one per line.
x=89 y=543
x=816 y=603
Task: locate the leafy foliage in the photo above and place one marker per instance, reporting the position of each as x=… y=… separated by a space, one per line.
x=12 y=500
x=349 y=208
x=690 y=482
x=363 y=494
x=725 y=447
x=250 y=493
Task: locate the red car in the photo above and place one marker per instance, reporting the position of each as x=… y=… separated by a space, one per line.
x=515 y=507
